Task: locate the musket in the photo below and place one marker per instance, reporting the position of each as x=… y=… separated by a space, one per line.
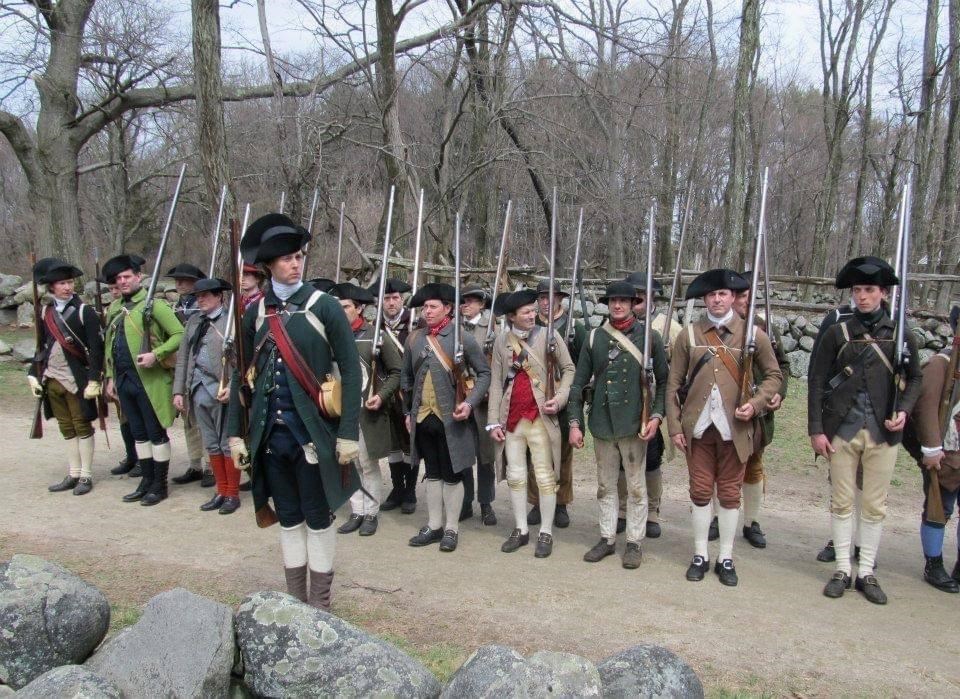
x=416 y=262
x=551 y=358
x=498 y=275
x=570 y=330
x=235 y=311
x=283 y=201
x=381 y=290
x=148 y=303
x=768 y=313
x=216 y=231
x=336 y=277
x=750 y=331
x=676 y=270
x=36 y=426
x=647 y=381
x=313 y=212
x=459 y=376
x=102 y=411
x=901 y=352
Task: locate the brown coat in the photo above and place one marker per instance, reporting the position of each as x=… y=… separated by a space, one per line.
x=926 y=418
x=685 y=358
x=499 y=406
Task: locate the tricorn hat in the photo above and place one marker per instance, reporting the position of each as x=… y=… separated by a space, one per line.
x=517 y=300
x=639 y=280
x=213 y=284
x=186 y=271
x=866 y=270
x=253 y=269
x=321 y=284
x=121 y=263
x=714 y=280
x=500 y=300
x=434 y=291
x=619 y=290
x=351 y=292
x=392 y=286
x=476 y=291
x=272 y=236
x=544 y=288
x=51 y=269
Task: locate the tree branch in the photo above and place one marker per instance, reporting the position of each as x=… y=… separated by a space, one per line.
x=24 y=147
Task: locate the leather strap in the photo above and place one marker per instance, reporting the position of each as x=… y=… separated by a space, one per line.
x=54 y=329
x=723 y=353
x=444 y=358
x=625 y=342
x=295 y=361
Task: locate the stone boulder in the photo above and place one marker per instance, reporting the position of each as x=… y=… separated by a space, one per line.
x=799 y=363
x=23 y=350
x=925 y=355
x=800 y=322
x=648 y=671
x=5 y=348
x=183 y=646
x=496 y=671
x=9 y=284
x=48 y=617
x=8 y=316
x=488 y=666
x=25 y=315
x=788 y=344
x=806 y=343
x=70 y=681
x=290 y=649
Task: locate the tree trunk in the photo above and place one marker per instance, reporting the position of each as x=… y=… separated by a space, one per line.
x=919 y=230
x=388 y=88
x=945 y=211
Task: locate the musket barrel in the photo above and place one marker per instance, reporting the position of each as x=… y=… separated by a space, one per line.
x=416 y=259
x=336 y=276
x=749 y=346
x=651 y=231
x=166 y=234
x=458 y=350
x=573 y=282
x=501 y=263
x=676 y=271
x=216 y=231
x=383 y=275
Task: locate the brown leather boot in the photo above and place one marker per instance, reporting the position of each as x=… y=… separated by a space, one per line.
x=297 y=582
x=321 y=585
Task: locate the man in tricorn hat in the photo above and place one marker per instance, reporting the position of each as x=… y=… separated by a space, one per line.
x=709 y=419
x=378 y=394
x=140 y=380
x=613 y=359
x=67 y=373
x=522 y=419
x=300 y=453
x=854 y=419
x=442 y=430
x=475 y=302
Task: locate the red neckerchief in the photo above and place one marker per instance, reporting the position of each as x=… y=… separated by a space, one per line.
x=435 y=330
x=622 y=325
x=357 y=323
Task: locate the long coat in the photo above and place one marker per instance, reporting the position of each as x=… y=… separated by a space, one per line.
x=186 y=361
x=487 y=449
x=399 y=437
x=925 y=419
x=501 y=387
x=165 y=335
x=335 y=344
x=376 y=424
x=417 y=361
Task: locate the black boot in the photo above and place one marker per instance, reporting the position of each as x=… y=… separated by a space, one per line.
x=146 y=468
x=158 y=487
x=399 y=486
x=409 y=504
x=124 y=467
x=956 y=569
x=935 y=574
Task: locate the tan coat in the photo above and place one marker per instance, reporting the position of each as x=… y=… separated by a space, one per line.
x=499 y=405
x=926 y=417
x=685 y=358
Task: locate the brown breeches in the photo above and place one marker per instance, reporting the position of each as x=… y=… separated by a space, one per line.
x=712 y=462
x=68 y=411
x=754 y=471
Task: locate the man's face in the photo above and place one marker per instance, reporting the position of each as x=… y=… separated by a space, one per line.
x=435 y=311
x=543 y=304
x=62 y=290
x=470 y=307
x=742 y=303
x=525 y=317
x=128 y=282
x=287 y=269
x=620 y=307
x=640 y=305
x=184 y=285
x=867 y=297
x=392 y=304
x=351 y=309
x=249 y=282
x=208 y=301
x=719 y=302
x=114 y=291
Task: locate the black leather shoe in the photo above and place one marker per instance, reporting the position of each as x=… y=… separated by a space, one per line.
x=426 y=536
x=124 y=467
x=136 y=471
x=698 y=569
x=632 y=556
x=956 y=570
x=533 y=516
x=714 y=533
x=230 y=505
x=137 y=494
x=369 y=526
x=189 y=476
x=827 y=554
x=488 y=516
x=870 y=587
x=85 y=485
x=653 y=529
x=208 y=480
x=561 y=517
x=599 y=551
x=68 y=483
x=351 y=525
x=726 y=572
x=544 y=546
x=466 y=512
x=836 y=586
x=621 y=525
x=213 y=503
x=245 y=487
x=935 y=574
x=515 y=541
x=407 y=507
x=449 y=541
x=393 y=499
x=754 y=536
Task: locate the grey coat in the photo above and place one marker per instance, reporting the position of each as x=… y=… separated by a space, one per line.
x=186 y=361
x=417 y=361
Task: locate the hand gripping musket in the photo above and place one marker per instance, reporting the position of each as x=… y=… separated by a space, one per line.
x=668 y=326
x=647 y=382
x=101 y=401
x=232 y=348
x=551 y=363
x=39 y=361
x=570 y=329
x=459 y=375
x=216 y=232
x=498 y=276
x=901 y=353
x=313 y=213
x=750 y=330
x=378 y=323
x=336 y=276
x=416 y=263
x=157 y=266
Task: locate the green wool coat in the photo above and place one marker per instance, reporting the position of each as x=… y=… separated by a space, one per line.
x=166 y=332
x=320 y=351
x=375 y=425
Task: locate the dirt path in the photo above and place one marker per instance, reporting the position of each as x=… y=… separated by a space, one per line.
x=774 y=634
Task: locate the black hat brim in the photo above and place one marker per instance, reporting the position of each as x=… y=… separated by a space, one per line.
x=433 y=292
x=517 y=300
x=715 y=280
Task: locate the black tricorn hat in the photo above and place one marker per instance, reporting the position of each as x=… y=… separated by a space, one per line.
x=41 y=266
x=544 y=288
x=476 y=291
x=52 y=269
x=321 y=284
x=499 y=301
x=186 y=271
x=714 y=280
x=866 y=270
x=120 y=263
x=212 y=284
x=392 y=286
x=639 y=280
x=517 y=300
x=434 y=291
x=619 y=290
x=272 y=236
x=351 y=292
